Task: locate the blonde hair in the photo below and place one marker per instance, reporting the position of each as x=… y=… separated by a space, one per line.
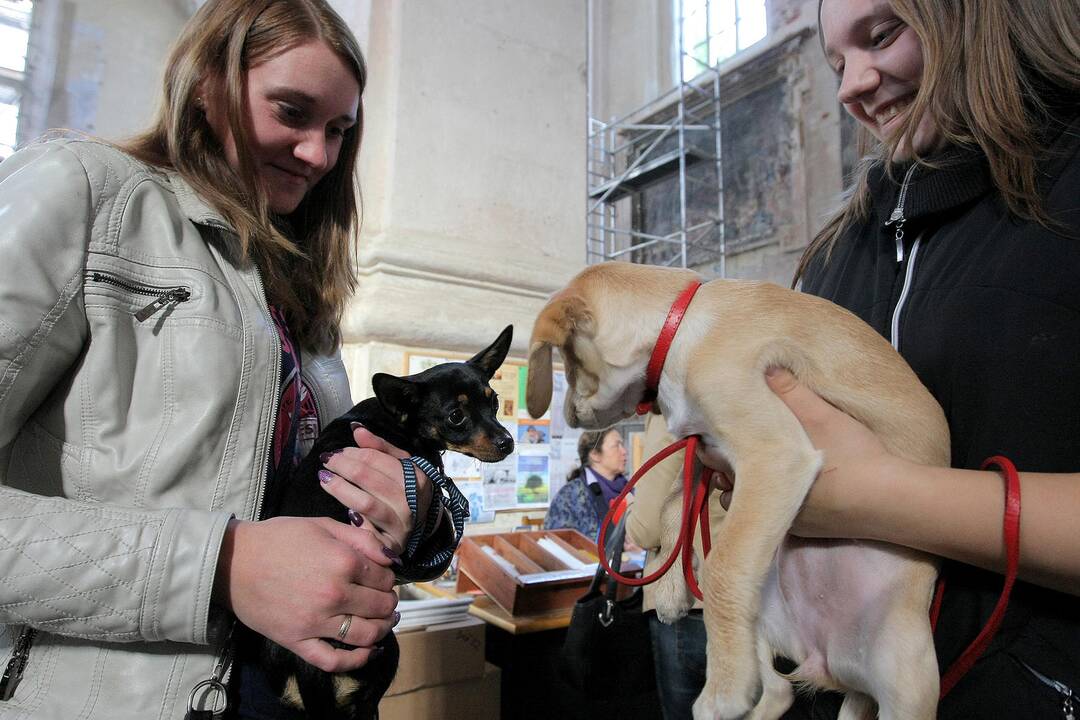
x=993 y=75
x=306 y=258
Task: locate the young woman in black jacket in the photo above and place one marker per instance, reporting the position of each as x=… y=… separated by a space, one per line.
x=960 y=242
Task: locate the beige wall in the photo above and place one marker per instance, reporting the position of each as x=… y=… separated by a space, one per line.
x=95 y=65
x=472 y=173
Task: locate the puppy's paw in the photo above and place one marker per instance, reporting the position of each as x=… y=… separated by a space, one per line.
x=672 y=597
x=718 y=703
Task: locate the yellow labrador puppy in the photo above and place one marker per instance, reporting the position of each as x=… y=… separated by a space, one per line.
x=854 y=615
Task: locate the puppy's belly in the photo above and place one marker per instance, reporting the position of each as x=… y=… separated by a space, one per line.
x=827 y=602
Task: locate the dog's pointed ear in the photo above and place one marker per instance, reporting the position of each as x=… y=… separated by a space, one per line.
x=565 y=313
x=490 y=358
x=398 y=396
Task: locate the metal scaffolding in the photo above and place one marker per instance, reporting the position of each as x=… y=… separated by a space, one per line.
x=671 y=144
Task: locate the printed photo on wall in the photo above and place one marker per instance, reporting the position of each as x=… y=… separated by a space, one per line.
x=532 y=480
x=536 y=432
x=500 y=484
x=474 y=493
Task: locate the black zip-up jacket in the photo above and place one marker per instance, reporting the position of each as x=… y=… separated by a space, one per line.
x=986 y=309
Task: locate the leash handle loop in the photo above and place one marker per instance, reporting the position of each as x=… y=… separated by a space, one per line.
x=695 y=504
x=1011 y=533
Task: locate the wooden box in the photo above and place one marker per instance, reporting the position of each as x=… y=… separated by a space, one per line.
x=526 y=578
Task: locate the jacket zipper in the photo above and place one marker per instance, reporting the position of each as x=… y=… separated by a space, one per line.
x=909 y=273
x=214 y=685
x=1064 y=690
x=223 y=669
x=20 y=656
x=897 y=218
x=274 y=407
x=163 y=296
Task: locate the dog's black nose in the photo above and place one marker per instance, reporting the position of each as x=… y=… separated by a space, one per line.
x=504 y=443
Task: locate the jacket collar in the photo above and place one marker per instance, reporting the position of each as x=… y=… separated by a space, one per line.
x=960 y=177
x=192 y=204
x=963 y=174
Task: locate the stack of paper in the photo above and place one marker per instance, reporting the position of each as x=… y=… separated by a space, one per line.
x=419 y=609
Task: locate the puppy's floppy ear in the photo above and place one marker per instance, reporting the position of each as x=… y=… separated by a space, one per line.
x=398 y=396
x=490 y=358
x=564 y=314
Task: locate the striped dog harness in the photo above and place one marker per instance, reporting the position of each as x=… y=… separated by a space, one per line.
x=446 y=495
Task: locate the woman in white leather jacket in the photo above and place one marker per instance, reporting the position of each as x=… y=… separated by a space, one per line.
x=150 y=296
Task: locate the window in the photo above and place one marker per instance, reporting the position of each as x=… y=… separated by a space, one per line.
x=714 y=30
x=14 y=38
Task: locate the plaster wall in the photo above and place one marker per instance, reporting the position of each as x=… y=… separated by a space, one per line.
x=472 y=169
x=96 y=65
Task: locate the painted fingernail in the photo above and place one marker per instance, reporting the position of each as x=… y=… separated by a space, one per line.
x=325 y=476
x=392 y=555
x=397 y=619
x=354 y=518
x=327 y=455
x=355 y=425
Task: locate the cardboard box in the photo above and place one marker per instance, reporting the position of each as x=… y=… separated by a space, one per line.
x=439 y=654
x=473 y=699
x=529 y=579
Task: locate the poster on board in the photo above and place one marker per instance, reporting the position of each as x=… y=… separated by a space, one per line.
x=533 y=484
x=473 y=490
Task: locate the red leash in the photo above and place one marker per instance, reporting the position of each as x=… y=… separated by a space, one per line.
x=695 y=509
x=1011 y=532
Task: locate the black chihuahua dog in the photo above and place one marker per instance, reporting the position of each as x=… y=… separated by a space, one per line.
x=446 y=407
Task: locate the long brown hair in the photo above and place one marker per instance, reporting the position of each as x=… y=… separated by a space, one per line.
x=994 y=72
x=306 y=259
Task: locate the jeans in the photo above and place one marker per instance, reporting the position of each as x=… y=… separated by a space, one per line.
x=679 y=655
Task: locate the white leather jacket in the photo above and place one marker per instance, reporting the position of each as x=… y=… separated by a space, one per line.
x=138 y=388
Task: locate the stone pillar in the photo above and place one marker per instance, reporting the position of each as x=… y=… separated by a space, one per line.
x=472 y=171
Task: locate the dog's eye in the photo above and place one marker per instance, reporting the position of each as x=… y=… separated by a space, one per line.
x=457 y=417
x=495 y=402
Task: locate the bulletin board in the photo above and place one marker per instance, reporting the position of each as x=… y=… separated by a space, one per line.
x=545 y=449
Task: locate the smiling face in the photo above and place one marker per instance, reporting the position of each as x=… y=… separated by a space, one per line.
x=879 y=60
x=298 y=105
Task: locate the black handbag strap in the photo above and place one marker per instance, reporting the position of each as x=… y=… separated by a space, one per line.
x=600 y=505
x=613 y=552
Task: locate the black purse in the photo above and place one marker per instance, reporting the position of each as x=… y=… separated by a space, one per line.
x=607 y=660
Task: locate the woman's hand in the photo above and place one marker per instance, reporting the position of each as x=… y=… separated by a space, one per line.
x=855 y=459
x=369 y=479
x=296 y=580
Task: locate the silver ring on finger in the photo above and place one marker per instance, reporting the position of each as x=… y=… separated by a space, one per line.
x=344 y=629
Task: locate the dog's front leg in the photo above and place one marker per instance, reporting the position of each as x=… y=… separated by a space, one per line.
x=673 y=598
x=773 y=475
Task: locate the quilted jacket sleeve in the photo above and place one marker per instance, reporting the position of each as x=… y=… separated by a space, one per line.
x=69 y=567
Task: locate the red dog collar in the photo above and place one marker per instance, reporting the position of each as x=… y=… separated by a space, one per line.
x=663 y=344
